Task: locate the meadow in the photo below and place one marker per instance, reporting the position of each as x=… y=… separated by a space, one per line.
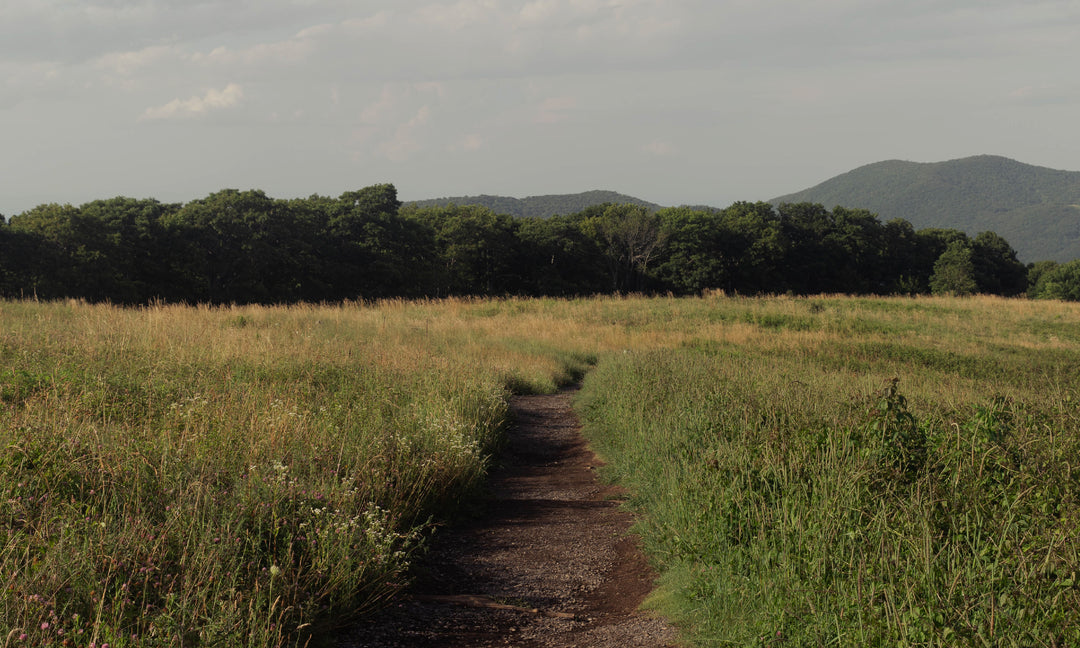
x=849 y=472
x=260 y=476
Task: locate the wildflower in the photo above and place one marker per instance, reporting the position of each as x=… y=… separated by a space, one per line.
x=274 y=570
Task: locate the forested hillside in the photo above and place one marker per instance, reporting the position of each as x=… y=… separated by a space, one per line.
x=246 y=247
x=1035 y=208
x=538 y=206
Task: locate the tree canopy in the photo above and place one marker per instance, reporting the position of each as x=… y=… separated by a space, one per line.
x=247 y=247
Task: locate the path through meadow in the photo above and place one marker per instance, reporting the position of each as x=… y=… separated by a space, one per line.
x=550 y=562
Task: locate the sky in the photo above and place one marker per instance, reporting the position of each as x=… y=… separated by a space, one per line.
x=701 y=102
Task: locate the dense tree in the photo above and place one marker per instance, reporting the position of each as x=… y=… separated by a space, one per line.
x=1035 y=271
x=837 y=251
x=376 y=199
x=244 y=246
x=133 y=239
x=899 y=266
x=930 y=244
x=226 y=244
x=700 y=253
x=1057 y=281
x=954 y=271
x=630 y=236
x=376 y=252
x=811 y=265
x=75 y=255
x=760 y=236
x=477 y=249
x=559 y=258
x=997 y=270
x=19 y=253
x=858 y=241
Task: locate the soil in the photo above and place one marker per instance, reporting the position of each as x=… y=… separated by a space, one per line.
x=549 y=562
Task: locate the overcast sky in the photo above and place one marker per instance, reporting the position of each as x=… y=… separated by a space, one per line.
x=673 y=101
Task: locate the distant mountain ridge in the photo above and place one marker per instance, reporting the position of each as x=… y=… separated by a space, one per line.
x=1036 y=209
x=538 y=206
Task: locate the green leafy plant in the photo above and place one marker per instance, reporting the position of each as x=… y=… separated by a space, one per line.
x=902 y=450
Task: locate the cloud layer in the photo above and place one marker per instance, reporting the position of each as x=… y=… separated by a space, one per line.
x=678 y=101
x=211 y=100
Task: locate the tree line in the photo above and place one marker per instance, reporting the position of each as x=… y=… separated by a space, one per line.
x=246 y=247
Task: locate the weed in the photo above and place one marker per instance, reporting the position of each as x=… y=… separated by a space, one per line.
x=902 y=442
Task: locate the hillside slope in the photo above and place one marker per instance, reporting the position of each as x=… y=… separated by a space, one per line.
x=1035 y=208
x=538 y=206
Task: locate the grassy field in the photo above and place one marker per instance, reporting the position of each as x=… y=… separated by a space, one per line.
x=843 y=472
x=182 y=476
x=174 y=476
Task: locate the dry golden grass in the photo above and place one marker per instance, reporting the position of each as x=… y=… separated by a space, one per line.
x=133 y=414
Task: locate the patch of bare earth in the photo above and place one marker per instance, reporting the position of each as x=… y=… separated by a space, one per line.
x=549 y=563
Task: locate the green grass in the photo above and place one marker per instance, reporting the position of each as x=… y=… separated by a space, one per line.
x=173 y=478
x=192 y=476
x=797 y=495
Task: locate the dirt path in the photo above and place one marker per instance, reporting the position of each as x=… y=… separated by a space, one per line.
x=549 y=563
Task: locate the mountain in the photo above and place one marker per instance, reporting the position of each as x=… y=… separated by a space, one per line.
x=538 y=206
x=1035 y=208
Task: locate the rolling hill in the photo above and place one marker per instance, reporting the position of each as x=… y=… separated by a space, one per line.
x=538 y=206
x=1035 y=208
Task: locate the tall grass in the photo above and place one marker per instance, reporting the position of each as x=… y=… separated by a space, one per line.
x=239 y=476
x=857 y=472
x=191 y=476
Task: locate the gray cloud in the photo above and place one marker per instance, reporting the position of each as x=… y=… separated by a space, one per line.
x=679 y=101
